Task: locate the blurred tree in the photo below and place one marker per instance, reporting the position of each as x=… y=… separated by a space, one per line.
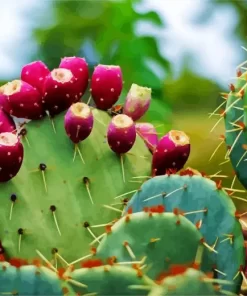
x=191 y=91
x=104 y=32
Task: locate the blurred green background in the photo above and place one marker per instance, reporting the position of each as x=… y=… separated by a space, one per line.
x=185 y=50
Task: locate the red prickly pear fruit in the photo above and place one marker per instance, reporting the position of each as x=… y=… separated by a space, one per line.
x=171 y=153
x=106 y=86
x=79 y=68
x=22 y=100
x=121 y=134
x=78 y=122
x=7 y=123
x=11 y=156
x=148 y=133
x=35 y=74
x=137 y=102
x=59 y=91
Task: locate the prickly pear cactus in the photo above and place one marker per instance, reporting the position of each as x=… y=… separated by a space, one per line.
x=206 y=204
x=60 y=172
x=235 y=122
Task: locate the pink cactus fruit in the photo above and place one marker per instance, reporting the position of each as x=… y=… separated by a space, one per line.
x=171 y=153
x=22 y=100
x=35 y=74
x=148 y=133
x=79 y=68
x=78 y=122
x=121 y=134
x=7 y=123
x=59 y=91
x=11 y=156
x=137 y=102
x=106 y=86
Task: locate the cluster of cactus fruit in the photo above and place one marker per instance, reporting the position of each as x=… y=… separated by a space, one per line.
x=67 y=170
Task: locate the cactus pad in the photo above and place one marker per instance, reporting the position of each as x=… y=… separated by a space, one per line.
x=208 y=206
x=163 y=238
x=235 y=123
x=54 y=202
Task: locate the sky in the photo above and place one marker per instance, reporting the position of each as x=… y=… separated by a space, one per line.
x=215 y=54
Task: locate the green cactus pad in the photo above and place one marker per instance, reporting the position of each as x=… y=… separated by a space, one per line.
x=110 y=280
x=163 y=238
x=191 y=282
x=29 y=280
x=191 y=193
x=235 y=136
x=32 y=214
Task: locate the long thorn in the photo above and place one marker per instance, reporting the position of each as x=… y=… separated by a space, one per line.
x=44 y=180
x=220 y=272
x=217 y=109
x=28 y=144
x=93 y=235
x=89 y=100
x=11 y=210
x=97 y=239
x=130 y=192
x=53 y=125
x=215 y=151
x=79 y=152
x=233 y=145
x=216 y=124
x=19 y=243
x=81 y=259
x=242 y=157
x=112 y=208
x=55 y=219
x=122 y=166
x=48 y=263
x=62 y=259
x=74 y=154
x=89 y=193
x=233 y=181
x=75 y=283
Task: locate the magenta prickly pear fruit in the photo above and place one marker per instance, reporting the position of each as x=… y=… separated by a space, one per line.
x=59 y=91
x=7 y=123
x=121 y=134
x=171 y=153
x=78 y=122
x=137 y=102
x=11 y=156
x=106 y=86
x=79 y=68
x=22 y=100
x=148 y=133
x=35 y=74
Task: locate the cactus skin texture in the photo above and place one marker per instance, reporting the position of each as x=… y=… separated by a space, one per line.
x=216 y=217
x=164 y=238
x=190 y=282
